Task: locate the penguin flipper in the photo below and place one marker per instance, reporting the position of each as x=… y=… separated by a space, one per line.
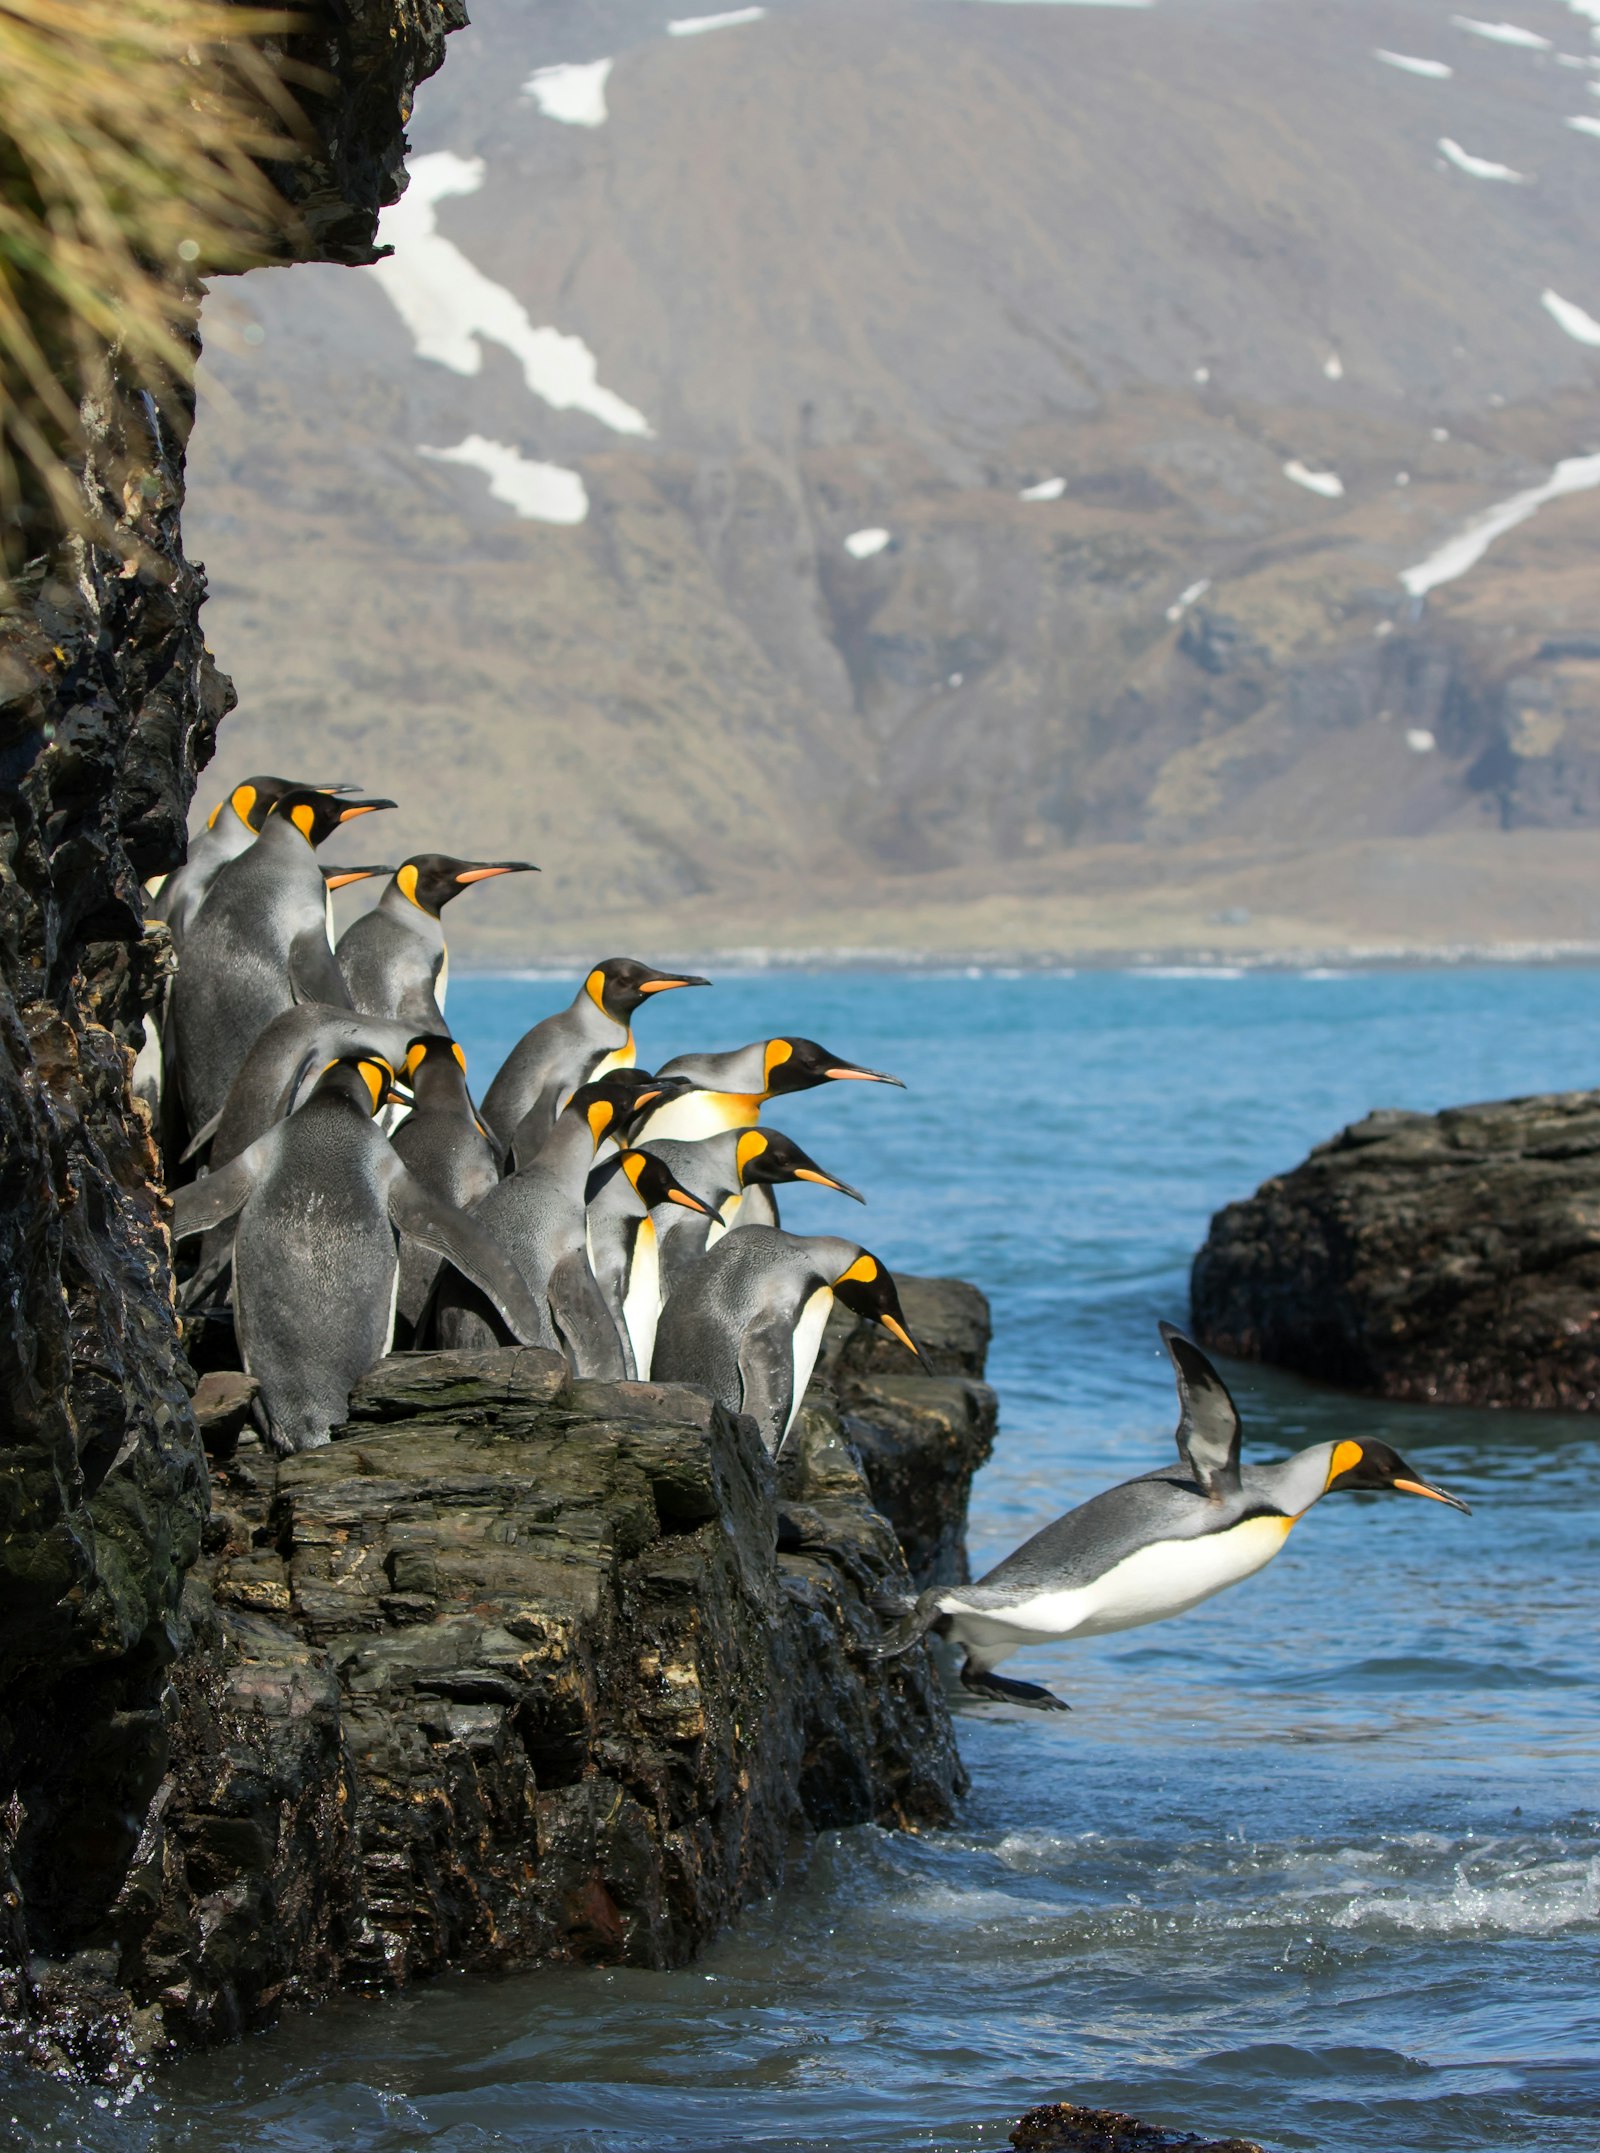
x=585 y=1324
x=201 y=1137
x=417 y=1212
x=766 y=1379
x=314 y=974
x=1208 y=1423
x=200 y=1205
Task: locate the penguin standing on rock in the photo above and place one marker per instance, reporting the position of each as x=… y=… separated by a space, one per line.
x=746 y=1323
x=445 y=1145
x=624 y=1198
x=584 y=1041
x=393 y=958
x=731 y=1089
x=232 y=827
x=735 y=1173
x=322 y=1201
x=1151 y=1548
x=258 y=945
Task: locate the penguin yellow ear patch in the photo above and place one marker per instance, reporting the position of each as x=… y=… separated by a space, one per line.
x=304 y=819
x=600 y=1118
x=244 y=800
x=595 y=987
x=379 y=1077
x=416 y=1054
x=750 y=1147
x=633 y=1165
x=1345 y=1457
x=778 y=1052
x=460 y=1054
x=861 y=1273
x=405 y=881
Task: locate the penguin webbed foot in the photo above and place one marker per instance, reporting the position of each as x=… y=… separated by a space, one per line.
x=1000 y=1689
x=916 y=1618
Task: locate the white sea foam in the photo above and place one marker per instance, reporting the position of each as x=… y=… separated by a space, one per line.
x=1434 y=70
x=1185 y=599
x=574 y=94
x=452 y=309
x=1577 y=474
x=1419 y=740
x=1479 y=167
x=1327 y=483
x=1048 y=489
x=1503 y=33
x=1582 y=327
x=1186 y=971
x=698 y=25
x=539 y=492
x=862 y=545
x=1534 y=1899
x=1585 y=124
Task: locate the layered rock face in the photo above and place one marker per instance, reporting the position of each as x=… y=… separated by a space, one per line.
x=521 y=1669
x=1453 y=1257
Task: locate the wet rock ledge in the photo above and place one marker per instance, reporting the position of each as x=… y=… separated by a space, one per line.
x=517 y=1670
x=1453 y=1257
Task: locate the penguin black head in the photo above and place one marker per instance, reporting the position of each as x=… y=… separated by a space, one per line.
x=431 y=879
x=618 y=985
x=656 y=1185
x=767 y=1155
x=800 y=1065
x=866 y=1289
x=254 y=798
x=366 y=1080
x=338 y=877
x=435 y=1062
x=1371 y=1467
x=317 y=815
x=612 y=1103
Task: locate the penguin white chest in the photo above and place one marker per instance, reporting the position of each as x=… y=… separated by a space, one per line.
x=806 y=1345
x=641 y=1302
x=702 y=1113
x=1153 y=1583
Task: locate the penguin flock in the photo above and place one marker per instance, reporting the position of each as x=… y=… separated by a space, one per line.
x=347 y=1194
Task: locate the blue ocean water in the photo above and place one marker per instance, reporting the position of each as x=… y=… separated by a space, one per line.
x=1319 y=1863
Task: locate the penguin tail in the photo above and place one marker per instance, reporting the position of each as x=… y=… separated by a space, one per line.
x=916 y=1618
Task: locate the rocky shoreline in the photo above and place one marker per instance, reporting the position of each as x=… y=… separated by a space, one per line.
x=1451 y=1257
x=518 y=1670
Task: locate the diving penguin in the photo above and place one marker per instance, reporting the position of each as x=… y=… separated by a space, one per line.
x=258 y=945
x=536 y=1216
x=393 y=958
x=445 y=1145
x=579 y=1043
x=746 y=1323
x=731 y=1089
x=735 y=1174
x=1153 y=1547
x=231 y=828
x=322 y=1201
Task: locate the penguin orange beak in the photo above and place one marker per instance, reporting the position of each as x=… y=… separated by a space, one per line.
x=847 y=1072
x=692 y=1203
x=499 y=867
x=361 y=807
x=338 y=877
x=898 y=1330
x=826 y=1181
x=1435 y=1495
x=660 y=986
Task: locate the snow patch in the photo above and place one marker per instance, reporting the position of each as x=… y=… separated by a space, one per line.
x=1327 y=483
x=1048 y=489
x=1576 y=474
x=1584 y=124
x=698 y=25
x=539 y=492
x=862 y=545
x=1185 y=599
x=1434 y=70
x=1503 y=33
x=574 y=94
x=1479 y=167
x=452 y=309
x=1202 y=374
x=1581 y=327
x=1333 y=366
x=1419 y=740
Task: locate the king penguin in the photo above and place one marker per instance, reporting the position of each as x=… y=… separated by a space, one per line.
x=731 y=1089
x=393 y=958
x=536 y=1216
x=1153 y=1547
x=232 y=827
x=746 y=1323
x=734 y=1173
x=258 y=945
x=624 y=1198
x=592 y=1035
x=445 y=1145
x=322 y=1201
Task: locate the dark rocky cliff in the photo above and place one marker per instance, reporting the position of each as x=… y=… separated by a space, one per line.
x=1452 y=1257
x=109 y=703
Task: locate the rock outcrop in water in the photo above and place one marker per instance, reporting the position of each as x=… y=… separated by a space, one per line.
x=1453 y=1257
x=517 y=1670
x=1064 y=2127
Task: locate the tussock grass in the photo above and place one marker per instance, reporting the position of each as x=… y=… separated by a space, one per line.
x=132 y=140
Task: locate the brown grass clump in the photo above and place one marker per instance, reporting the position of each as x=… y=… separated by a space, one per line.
x=132 y=137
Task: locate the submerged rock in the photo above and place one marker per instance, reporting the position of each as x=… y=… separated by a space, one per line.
x=517 y=1670
x=1452 y=1257
x=1064 y=2127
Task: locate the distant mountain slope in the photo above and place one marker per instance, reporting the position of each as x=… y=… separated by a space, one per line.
x=929 y=439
